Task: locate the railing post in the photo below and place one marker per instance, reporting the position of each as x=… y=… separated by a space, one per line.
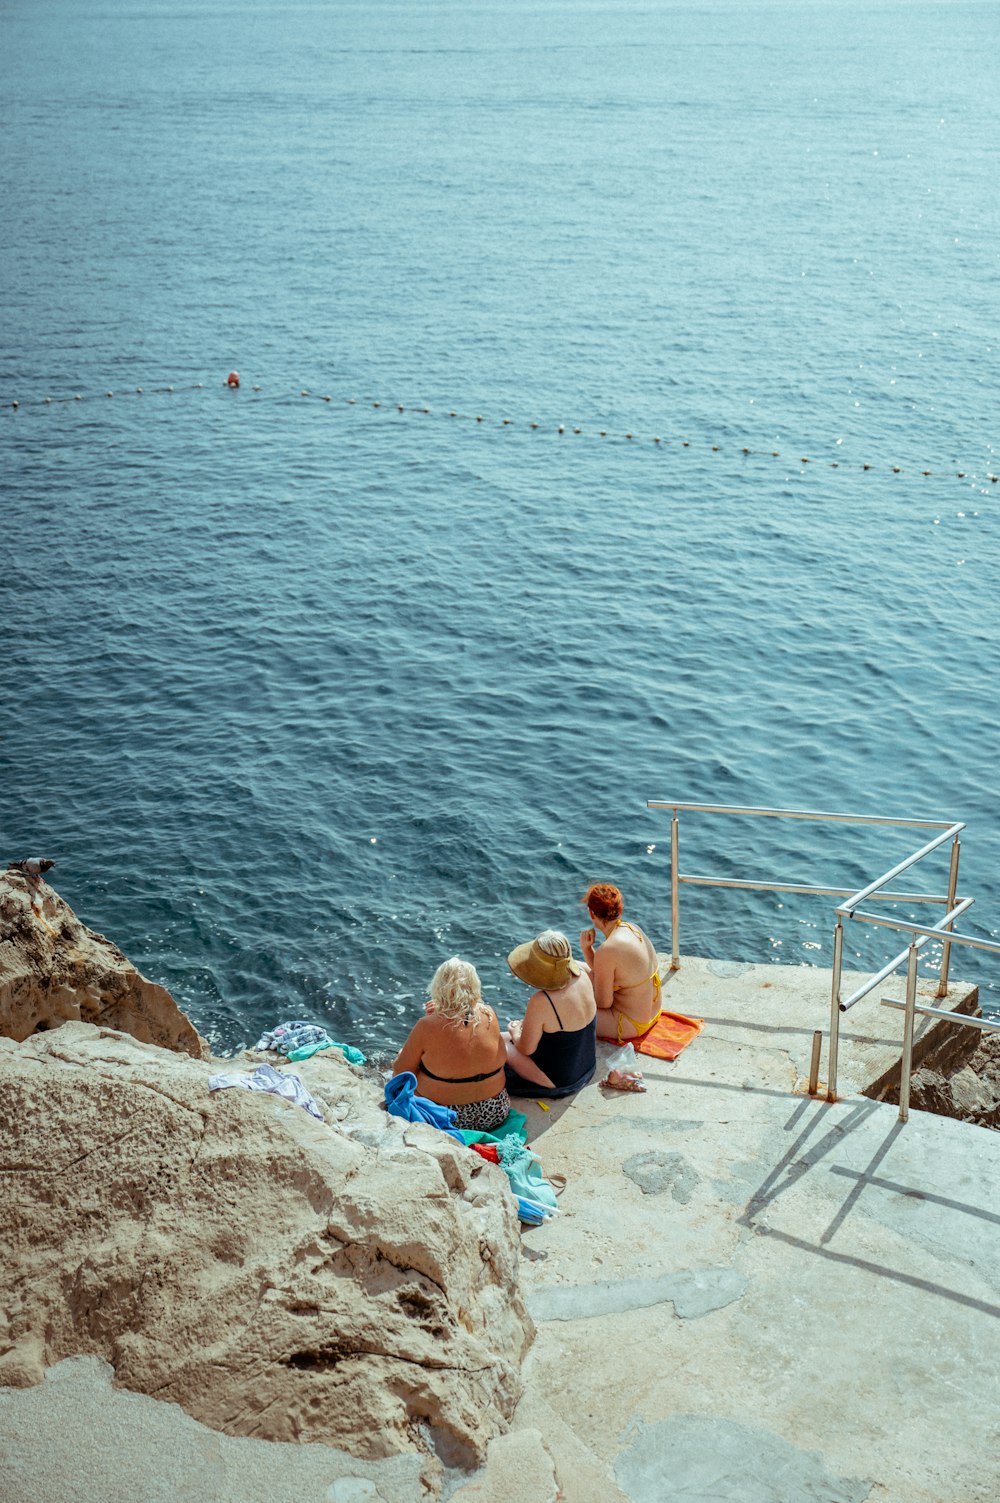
x=907 y=1061
x=675 y=904
x=942 y=986
x=814 y=1062
x=838 y=956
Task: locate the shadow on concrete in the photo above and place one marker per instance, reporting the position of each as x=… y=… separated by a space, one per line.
x=909 y=1193
x=541 y=1118
x=743 y=1025
x=795 y=1163
x=721 y=1085
x=862 y=1179
x=881 y=1271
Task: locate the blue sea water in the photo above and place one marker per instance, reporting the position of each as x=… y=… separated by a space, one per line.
x=304 y=695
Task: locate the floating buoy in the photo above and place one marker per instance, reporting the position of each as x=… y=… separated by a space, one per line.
x=109 y=393
x=715 y=448
x=866 y=466
x=656 y=438
x=534 y=425
x=562 y=428
x=478 y=418
x=327 y=399
x=896 y=469
x=628 y=435
x=400 y=407
x=77 y=398
x=17 y=404
x=138 y=391
x=233 y=379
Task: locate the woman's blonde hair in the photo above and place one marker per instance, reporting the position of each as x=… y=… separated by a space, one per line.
x=455 y=989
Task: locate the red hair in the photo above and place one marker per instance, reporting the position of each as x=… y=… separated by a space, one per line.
x=604 y=901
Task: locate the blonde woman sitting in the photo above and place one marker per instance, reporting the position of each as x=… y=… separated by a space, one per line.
x=456 y=1050
x=552 y=1050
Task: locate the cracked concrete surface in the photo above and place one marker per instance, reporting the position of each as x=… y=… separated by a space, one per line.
x=843 y=1272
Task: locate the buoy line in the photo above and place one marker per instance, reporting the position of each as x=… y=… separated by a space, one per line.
x=232 y=384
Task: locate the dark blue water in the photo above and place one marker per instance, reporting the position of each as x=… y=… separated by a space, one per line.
x=305 y=695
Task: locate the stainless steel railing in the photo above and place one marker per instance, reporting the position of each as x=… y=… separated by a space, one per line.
x=920 y=934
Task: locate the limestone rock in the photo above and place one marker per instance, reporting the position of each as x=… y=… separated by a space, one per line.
x=353 y=1282
x=53 y=969
x=971 y=1093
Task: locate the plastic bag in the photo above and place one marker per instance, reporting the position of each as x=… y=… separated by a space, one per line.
x=622 y=1072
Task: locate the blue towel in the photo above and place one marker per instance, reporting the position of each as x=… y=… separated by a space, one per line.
x=401 y=1100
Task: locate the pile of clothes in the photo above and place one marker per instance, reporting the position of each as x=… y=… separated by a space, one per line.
x=535 y=1195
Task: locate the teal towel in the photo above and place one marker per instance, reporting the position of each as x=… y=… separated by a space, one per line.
x=352 y=1055
x=516 y=1122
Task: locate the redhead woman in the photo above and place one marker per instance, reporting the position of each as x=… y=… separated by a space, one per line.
x=625 y=969
x=456 y=1050
x=552 y=1051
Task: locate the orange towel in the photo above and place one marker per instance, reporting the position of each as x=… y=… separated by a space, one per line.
x=671 y=1033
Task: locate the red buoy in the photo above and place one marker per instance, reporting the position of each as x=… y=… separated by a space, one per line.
x=233 y=379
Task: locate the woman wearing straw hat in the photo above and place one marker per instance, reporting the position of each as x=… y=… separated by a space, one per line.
x=552 y=1050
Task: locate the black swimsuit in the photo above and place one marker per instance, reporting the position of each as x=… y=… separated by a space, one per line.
x=568 y=1058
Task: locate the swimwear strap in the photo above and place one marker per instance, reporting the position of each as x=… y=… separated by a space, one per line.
x=458 y=1079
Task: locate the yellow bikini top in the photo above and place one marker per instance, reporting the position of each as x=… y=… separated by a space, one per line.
x=655 y=977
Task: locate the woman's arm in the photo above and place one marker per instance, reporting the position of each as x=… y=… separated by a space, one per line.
x=410 y=1055
x=530 y=1030
x=603 y=975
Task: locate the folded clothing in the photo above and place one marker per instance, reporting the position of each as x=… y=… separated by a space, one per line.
x=267 y=1078
x=300 y=1040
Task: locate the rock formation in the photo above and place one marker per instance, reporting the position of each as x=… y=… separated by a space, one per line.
x=970 y=1092
x=352 y=1281
x=53 y=969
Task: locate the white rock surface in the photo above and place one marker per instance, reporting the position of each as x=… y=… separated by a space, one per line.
x=353 y=1282
x=53 y=970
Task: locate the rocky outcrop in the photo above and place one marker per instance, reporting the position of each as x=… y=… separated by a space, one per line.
x=970 y=1092
x=352 y=1281
x=53 y=970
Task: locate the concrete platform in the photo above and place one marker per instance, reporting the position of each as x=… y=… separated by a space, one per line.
x=748 y=1296
x=752 y=1295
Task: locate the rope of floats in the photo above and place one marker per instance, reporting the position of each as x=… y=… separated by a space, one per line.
x=233 y=383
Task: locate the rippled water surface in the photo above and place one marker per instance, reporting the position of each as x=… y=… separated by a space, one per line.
x=305 y=695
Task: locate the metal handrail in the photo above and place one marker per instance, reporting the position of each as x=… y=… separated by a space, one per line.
x=919 y=933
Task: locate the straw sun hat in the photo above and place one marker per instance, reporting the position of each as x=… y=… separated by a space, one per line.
x=535 y=965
